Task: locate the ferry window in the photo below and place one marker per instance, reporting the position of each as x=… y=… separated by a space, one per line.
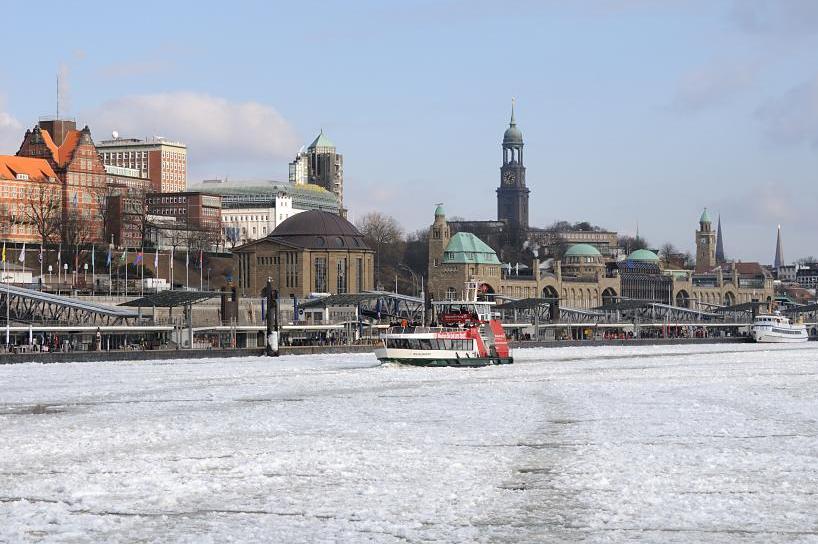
x=425 y=343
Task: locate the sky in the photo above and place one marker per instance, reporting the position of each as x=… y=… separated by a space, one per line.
x=634 y=112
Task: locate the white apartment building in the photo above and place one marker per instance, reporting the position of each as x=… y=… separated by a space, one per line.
x=245 y=223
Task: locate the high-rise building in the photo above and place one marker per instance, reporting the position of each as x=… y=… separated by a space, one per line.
x=162 y=161
x=512 y=195
x=323 y=166
x=705 y=245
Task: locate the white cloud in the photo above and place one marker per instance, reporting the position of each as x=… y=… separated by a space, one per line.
x=11 y=132
x=214 y=129
x=713 y=85
x=792 y=118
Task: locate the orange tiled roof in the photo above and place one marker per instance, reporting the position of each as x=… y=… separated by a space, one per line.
x=62 y=154
x=36 y=169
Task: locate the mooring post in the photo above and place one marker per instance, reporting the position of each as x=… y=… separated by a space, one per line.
x=272 y=320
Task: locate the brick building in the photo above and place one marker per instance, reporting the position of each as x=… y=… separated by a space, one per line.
x=73 y=157
x=30 y=199
x=187 y=219
x=161 y=161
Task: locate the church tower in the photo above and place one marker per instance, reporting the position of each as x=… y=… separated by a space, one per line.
x=705 y=245
x=512 y=195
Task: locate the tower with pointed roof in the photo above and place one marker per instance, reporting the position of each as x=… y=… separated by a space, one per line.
x=705 y=245
x=322 y=165
x=778 y=260
x=512 y=195
x=719 y=244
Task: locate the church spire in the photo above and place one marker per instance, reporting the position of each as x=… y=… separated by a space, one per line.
x=778 y=262
x=719 y=244
x=512 y=123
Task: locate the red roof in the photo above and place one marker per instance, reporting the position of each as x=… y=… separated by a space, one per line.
x=35 y=169
x=745 y=269
x=62 y=154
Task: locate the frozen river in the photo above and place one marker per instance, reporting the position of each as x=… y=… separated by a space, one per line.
x=715 y=443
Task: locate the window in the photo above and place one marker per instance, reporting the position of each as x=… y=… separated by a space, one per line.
x=291 y=269
x=320 y=274
x=359 y=275
x=342 y=276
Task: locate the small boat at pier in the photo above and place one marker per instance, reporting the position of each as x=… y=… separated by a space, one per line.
x=463 y=333
x=777 y=328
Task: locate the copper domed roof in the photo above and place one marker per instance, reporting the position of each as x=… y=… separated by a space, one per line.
x=316 y=229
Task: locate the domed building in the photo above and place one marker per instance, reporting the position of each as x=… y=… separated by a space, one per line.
x=311 y=252
x=582 y=260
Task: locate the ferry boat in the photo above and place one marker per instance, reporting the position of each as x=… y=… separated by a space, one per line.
x=464 y=333
x=777 y=328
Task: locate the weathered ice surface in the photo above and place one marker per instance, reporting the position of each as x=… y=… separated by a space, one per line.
x=709 y=443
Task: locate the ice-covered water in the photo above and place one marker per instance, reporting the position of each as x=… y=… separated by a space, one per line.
x=653 y=444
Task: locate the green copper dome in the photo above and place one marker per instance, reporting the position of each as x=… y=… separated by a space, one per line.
x=321 y=141
x=439 y=210
x=704 y=218
x=643 y=255
x=512 y=135
x=583 y=250
x=466 y=248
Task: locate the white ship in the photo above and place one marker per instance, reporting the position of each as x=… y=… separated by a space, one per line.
x=777 y=328
x=465 y=333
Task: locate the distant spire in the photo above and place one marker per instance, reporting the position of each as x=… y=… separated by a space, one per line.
x=719 y=244
x=778 y=262
x=512 y=122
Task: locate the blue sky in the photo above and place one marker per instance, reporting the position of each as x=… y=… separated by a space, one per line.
x=632 y=110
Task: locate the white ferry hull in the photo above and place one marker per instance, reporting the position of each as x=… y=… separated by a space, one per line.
x=767 y=337
x=437 y=357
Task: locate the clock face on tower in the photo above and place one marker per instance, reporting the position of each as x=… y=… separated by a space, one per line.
x=508 y=178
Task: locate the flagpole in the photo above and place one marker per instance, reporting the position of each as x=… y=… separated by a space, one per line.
x=93 y=269
x=142 y=270
x=201 y=267
x=8 y=302
x=42 y=281
x=187 y=269
x=126 y=271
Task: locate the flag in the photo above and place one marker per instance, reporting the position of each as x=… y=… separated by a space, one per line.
x=76 y=199
x=59 y=255
x=4 y=252
x=40 y=255
x=201 y=259
x=138 y=258
x=22 y=257
x=124 y=255
x=156 y=260
x=187 y=258
x=108 y=259
x=93 y=254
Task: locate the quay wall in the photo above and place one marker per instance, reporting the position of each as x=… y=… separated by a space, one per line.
x=91 y=356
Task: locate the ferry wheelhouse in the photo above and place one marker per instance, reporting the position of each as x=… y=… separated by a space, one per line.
x=777 y=328
x=462 y=333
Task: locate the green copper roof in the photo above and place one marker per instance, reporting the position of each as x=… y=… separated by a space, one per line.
x=582 y=250
x=704 y=218
x=643 y=255
x=466 y=248
x=439 y=210
x=321 y=141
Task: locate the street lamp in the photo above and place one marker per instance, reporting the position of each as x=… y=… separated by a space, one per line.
x=414 y=277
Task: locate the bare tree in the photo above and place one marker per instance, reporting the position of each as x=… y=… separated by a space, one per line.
x=631 y=243
x=76 y=231
x=43 y=211
x=383 y=233
x=668 y=252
